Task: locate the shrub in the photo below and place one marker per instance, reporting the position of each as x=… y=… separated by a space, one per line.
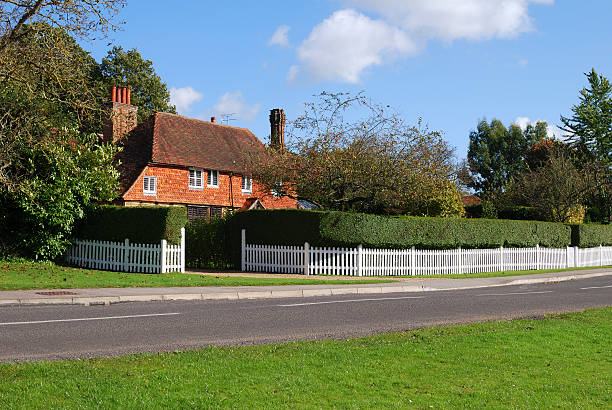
x=520 y=213
x=145 y=224
x=591 y=235
x=294 y=227
x=206 y=244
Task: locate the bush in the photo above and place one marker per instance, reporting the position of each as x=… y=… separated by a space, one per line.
x=145 y=224
x=591 y=235
x=207 y=245
x=294 y=227
x=520 y=213
x=473 y=211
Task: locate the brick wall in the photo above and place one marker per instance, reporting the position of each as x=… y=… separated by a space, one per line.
x=173 y=188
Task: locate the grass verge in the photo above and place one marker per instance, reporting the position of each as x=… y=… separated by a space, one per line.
x=17 y=275
x=558 y=361
x=503 y=273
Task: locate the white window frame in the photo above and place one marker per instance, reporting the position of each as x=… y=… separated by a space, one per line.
x=277 y=193
x=247 y=185
x=195 y=181
x=146 y=186
x=212 y=176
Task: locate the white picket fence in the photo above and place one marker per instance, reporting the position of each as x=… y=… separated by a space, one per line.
x=360 y=261
x=128 y=257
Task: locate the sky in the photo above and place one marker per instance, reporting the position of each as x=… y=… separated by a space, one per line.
x=450 y=62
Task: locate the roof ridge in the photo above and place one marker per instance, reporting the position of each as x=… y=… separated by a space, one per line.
x=203 y=121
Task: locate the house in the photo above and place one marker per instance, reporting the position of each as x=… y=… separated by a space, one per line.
x=170 y=159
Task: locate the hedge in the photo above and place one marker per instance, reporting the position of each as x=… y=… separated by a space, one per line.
x=318 y=228
x=206 y=244
x=138 y=224
x=591 y=235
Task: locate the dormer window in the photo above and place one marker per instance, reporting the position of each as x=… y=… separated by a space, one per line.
x=247 y=185
x=149 y=185
x=213 y=178
x=196 y=179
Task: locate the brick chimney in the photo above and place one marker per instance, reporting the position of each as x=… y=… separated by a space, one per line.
x=122 y=115
x=277 y=128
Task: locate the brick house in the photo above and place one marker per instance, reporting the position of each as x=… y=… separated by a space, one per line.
x=170 y=159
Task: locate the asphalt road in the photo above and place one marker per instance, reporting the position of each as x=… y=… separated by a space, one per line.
x=68 y=332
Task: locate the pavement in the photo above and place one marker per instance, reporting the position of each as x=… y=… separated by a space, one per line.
x=107 y=296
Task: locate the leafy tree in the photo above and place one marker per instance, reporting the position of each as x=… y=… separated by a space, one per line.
x=558 y=186
x=496 y=154
x=123 y=68
x=347 y=153
x=590 y=126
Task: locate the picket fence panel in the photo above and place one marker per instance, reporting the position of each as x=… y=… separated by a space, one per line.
x=405 y=262
x=128 y=257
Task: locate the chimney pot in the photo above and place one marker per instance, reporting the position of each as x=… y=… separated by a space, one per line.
x=113 y=91
x=129 y=96
x=123 y=95
x=277 y=128
x=213 y=120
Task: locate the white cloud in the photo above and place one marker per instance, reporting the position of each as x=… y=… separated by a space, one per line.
x=235 y=105
x=280 y=36
x=455 y=19
x=344 y=45
x=184 y=98
x=552 y=130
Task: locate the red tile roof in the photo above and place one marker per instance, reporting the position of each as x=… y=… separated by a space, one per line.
x=181 y=141
x=470 y=200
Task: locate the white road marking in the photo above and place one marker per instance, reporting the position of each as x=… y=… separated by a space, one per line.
x=349 y=301
x=597 y=287
x=515 y=293
x=35 y=322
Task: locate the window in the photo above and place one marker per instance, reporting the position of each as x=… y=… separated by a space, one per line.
x=196 y=212
x=149 y=185
x=247 y=185
x=196 y=179
x=213 y=178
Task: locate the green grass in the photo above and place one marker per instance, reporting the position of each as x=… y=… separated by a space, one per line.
x=558 y=361
x=15 y=275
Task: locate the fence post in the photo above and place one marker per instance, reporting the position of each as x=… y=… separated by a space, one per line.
x=183 y=250
x=501 y=258
x=567 y=257
x=126 y=254
x=600 y=255
x=306 y=258
x=576 y=260
x=537 y=256
x=359 y=260
x=460 y=260
x=412 y=261
x=163 y=256
x=243 y=251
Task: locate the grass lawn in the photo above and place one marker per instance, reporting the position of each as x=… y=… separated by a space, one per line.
x=46 y=275
x=501 y=274
x=558 y=361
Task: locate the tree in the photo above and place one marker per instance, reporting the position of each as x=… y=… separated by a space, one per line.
x=347 y=153
x=496 y=154
x=51 y=171
x=123 y=68
x=558 y=186
x=590 y=126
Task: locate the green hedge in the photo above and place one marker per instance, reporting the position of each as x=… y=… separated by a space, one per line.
x=206 y=244
x=138 y=224
x=591 y=235
x=294 y=227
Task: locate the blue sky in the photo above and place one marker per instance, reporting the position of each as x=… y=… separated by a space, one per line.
x=451 y=62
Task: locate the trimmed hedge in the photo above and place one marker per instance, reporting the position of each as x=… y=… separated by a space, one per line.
x=145 y=224
x=591 y=235
x=318 y=228
x=206 y=244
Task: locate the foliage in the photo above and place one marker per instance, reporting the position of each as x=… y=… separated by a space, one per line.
x=207 y=245
x=520 y=213
x=496 y=154
x=590 y=126
x=129 y=68
x=347 y=153
x=591 y=235
x=332 y=228
x=60 y=177
x=145 y=224
x=557 y=188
